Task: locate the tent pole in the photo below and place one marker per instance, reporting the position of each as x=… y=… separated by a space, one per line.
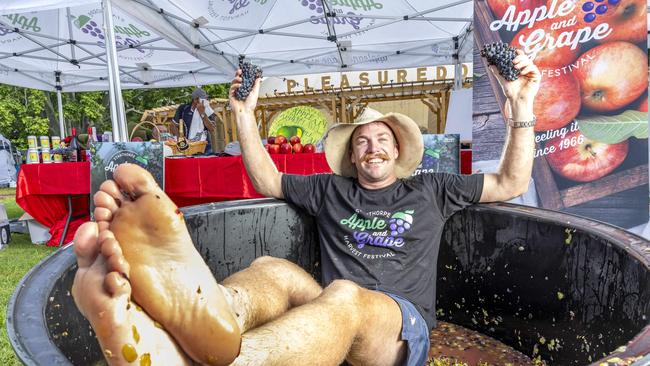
x=59 y=102
x=458 y=68
x=118 y=116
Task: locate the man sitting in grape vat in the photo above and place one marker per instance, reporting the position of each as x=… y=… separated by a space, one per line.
x=379 y=233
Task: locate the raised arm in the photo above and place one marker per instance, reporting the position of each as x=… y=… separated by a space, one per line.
x=516 y=163
x=259 y=166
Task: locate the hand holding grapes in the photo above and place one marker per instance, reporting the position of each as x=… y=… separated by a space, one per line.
x=517 y=74
x=245 y=87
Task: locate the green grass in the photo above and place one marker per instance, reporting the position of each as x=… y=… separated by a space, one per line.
x=8 y=198
x=15 y=261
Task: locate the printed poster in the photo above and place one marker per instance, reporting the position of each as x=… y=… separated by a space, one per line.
x=107 y=156
x=441 y=154
x=591 y=155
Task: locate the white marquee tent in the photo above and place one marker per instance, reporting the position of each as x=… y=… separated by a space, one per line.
x=60 y=44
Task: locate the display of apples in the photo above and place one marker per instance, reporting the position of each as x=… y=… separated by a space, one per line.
x=280 y=145
x=558 y=100
x=615 y=75
x=580 y=159
x=309 y=149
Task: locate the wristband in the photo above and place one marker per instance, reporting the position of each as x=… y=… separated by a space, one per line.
x=522 y=124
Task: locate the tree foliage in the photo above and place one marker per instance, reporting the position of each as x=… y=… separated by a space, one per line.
x=25 y=112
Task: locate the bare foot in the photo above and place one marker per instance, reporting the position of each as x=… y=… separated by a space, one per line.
x=168 y=276
x=126 y=333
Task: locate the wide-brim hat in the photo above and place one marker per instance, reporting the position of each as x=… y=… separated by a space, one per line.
x=406 y=131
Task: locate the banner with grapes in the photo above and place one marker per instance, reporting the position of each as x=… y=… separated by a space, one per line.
x=591 y=136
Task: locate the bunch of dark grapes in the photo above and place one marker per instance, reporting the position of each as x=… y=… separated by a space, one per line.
x=249 y=73
x=501 y=55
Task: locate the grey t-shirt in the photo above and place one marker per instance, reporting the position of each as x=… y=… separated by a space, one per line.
x=385 y=239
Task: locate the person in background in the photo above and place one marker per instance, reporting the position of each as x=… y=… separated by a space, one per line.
x=198 y=118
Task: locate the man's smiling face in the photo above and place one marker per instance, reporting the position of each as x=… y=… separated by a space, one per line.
x=373 y=153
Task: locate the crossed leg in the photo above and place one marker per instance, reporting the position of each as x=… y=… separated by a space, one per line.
x=282 y=313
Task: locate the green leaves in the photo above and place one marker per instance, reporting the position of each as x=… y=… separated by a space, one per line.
x=614 y=129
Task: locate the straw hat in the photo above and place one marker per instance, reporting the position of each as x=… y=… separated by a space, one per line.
x=406 y=131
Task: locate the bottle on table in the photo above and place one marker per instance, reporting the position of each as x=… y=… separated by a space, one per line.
x=74 y=146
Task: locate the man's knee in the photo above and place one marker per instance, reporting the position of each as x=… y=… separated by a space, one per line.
x=347 y=292
x=267 y=260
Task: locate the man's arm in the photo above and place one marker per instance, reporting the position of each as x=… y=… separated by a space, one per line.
x=516 y=163
x=260 y=168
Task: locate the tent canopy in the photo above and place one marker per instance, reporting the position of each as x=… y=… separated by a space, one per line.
x=165 y=43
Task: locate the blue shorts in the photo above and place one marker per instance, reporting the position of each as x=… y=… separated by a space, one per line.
x=414 y=332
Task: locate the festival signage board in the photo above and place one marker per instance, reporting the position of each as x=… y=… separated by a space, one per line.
x=105 y=157
x=591 y=136
x=308 y=123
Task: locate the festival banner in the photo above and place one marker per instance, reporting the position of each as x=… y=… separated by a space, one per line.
x=591 y=155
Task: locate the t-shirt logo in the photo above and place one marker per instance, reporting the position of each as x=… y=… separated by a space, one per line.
x=386 y=231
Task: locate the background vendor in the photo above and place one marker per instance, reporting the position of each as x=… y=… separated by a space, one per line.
x=198 y=118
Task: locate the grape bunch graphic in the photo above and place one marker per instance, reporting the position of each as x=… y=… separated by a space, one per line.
x=313 y=5
x=88 y=26
x=400 y=222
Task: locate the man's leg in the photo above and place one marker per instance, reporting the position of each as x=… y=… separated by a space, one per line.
x=344 y=322
x=173 y=284
x=267 y=289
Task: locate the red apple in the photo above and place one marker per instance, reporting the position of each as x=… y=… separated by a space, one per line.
x=136 y=139
x=274 y=149
x=285 y=148
x=270 y=140
x=279 y=139
x=643 y=103
x=558 y=100
x=627 y=19
x=613 y=75
x=294 y=140
x=297 y=148
x=583 y=160
x=266 y=147
x=499 y=7
x=309 y=149
x=546 y=56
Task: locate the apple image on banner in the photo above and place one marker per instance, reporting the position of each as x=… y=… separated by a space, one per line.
x=270 y=140
x=544 y=36
x=557 y=102
x=627 y=19
x=583 y=160
x=614 y=75
x=499 y=7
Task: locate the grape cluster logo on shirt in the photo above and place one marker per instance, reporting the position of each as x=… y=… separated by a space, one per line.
x=379 y=228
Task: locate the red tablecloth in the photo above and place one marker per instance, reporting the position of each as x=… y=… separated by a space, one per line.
x=42 y=189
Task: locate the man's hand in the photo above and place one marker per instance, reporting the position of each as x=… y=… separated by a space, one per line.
x=239 y=106
x=200 y=107
x=526 y=86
